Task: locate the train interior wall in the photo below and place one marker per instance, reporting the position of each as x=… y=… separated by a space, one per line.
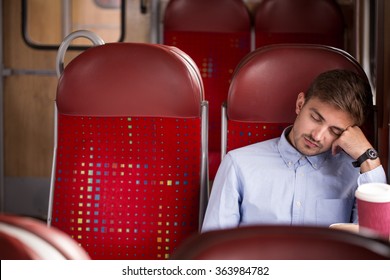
x=29 y=88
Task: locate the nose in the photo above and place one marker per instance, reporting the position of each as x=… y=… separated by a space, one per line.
x=318 y=133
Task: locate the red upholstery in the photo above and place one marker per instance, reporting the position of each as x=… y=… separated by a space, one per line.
x=299 y=21
x=84 y=88
x=206 y=16
x=282 y=243
x=245 y=133
x=264 y=88
x=23 y=238
x=216 y=34
x=128 y=176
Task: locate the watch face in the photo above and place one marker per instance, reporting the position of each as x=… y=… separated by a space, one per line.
x=372 y=154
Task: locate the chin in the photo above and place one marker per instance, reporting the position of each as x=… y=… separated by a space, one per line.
x=309 y=152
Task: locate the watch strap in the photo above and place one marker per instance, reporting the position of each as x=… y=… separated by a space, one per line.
x=369 y=154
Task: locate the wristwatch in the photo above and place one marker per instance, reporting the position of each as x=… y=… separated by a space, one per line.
x=369 y=154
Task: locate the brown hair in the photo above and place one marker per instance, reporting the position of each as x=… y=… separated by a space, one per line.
x=346 y=90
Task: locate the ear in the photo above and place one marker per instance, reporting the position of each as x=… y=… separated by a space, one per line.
x=300 y=102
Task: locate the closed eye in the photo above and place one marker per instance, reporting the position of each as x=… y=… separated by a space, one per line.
x=336 y=131
x=316 y=117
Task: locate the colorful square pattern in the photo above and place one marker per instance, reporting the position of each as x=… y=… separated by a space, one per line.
x=216 y=55
x=127 y=188
x=245 y=133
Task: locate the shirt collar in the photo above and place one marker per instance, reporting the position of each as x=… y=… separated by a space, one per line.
x=291 y=156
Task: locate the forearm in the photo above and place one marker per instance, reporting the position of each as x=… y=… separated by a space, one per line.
x=369 y=165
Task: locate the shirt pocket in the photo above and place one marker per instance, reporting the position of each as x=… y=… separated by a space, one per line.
x=330 y=211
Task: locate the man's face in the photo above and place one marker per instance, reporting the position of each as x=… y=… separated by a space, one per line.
x=317 y=125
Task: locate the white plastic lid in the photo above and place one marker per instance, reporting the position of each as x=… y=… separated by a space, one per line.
x=373 y=192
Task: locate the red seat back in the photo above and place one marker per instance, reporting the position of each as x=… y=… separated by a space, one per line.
x=129 y=163
x=24 y=238
x=265 y=85
x=282 y=243
x=299 y=21
x=216 y=34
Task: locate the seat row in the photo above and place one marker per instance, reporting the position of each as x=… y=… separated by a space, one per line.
x=23 y=238
x=217 y=34
x=130 y=167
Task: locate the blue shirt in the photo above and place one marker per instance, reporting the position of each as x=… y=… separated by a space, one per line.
x=272 y=183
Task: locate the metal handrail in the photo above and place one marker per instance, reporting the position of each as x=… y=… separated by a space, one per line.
x=94 y=38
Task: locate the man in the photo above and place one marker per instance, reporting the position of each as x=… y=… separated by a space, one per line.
x=308 y=175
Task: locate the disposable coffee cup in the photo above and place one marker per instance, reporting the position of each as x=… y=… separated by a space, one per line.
x=373 y=202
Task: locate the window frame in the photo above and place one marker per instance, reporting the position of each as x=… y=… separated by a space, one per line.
x=38 y=46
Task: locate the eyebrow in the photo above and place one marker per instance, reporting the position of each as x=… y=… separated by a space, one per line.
x=341 y=130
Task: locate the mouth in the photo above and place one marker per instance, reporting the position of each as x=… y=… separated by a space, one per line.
x=309 y=143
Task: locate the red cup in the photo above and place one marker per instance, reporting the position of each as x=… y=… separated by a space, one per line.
x=373 y=202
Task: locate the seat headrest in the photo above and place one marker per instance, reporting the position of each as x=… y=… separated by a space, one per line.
x=281 y=242
x=299 y=16
x=207 y=16
x=277 y=74
x=122 y=79
x=24 y=238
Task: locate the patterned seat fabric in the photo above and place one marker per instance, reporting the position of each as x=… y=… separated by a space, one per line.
x=245 y=133
x=205 y=30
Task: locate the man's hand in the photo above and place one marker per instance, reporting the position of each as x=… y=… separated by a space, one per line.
x=354 y=142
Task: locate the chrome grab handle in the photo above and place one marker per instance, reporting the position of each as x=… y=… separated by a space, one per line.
x=96 y=40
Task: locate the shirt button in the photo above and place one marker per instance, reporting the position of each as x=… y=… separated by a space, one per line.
x=298 y=203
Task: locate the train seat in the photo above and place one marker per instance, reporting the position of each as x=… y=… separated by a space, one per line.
x=130 y=167
x=265 y=86
x=299 y=21
x=25 y=238
x=217 y=35
x=278 y=242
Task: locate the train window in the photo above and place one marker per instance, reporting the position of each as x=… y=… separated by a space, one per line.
x=47 y=22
